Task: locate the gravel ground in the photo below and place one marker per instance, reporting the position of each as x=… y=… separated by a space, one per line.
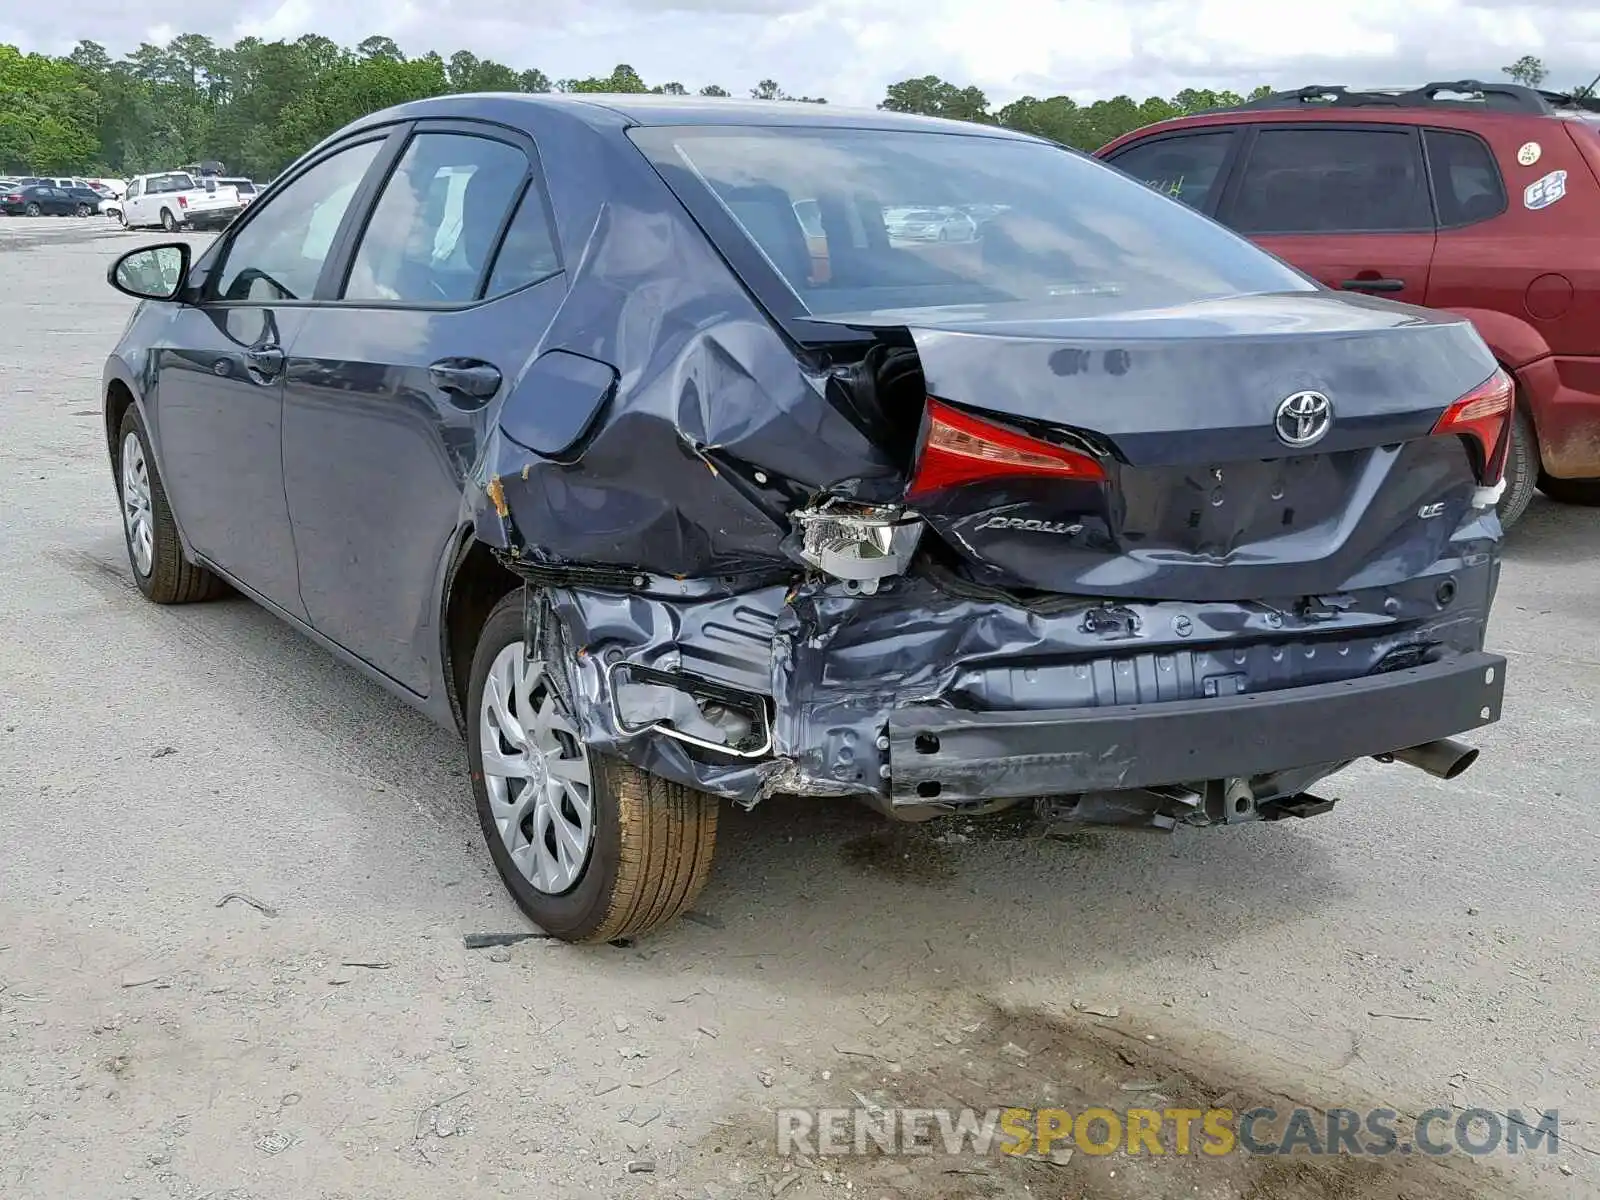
x=326 y=1034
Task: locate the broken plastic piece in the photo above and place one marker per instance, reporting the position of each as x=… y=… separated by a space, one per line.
x=858 y=544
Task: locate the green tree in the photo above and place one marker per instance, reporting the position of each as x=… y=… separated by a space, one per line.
x=768 y=89
x=47 y=113
x=355 y=87
x=1527 y=70
x=623 y=78
x=934 y=97
x=379 y=47
x=712 y=89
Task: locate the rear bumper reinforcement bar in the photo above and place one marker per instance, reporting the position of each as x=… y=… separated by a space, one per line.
x=956 y=755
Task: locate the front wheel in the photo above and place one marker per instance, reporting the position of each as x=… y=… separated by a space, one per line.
x=83 y=210
x=591 y=848
x=168 y=221
x=163 y=574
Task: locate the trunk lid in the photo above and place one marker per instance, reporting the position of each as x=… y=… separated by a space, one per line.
x=1204 y=498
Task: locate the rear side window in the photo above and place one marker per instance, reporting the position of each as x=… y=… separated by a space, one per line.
x=1185 y=168
x=431 y=236
x=1332 y=181
x=528 y=253
x=1466 y=181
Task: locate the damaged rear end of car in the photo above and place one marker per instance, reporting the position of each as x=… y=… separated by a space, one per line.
x=1103 y=509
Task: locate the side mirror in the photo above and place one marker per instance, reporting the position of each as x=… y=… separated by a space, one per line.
x=153 y=273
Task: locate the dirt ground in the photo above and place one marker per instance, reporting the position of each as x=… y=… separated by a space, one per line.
x=235 y=880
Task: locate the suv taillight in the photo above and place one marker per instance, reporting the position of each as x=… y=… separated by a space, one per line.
x=1483 y=416
x=958 y=448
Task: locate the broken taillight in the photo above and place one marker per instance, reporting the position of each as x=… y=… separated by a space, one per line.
x=1484 y=416
x=959 y=448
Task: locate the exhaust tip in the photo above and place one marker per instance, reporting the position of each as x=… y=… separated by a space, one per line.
x=1443 y=759
x=1461 y=763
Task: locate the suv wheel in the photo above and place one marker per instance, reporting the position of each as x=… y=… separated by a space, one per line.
x=168 y=221
x=33 y=209
x=591 y=848
x=1571 y=491
x=163 y=574
x=1522 y=470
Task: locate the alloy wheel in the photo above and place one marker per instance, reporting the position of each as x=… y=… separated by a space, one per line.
x=536 y=772
x=136 y=513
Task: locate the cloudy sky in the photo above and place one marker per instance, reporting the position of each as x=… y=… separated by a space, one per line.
x=848 y=50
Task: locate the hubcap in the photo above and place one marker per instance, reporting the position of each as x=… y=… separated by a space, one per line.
x=136 y=504
x=536 y=771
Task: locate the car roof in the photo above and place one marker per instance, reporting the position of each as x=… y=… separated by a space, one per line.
x=1502 y=105
x=601 y=109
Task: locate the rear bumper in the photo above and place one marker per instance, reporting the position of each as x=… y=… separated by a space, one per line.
x=944 y=754
x=217 y=217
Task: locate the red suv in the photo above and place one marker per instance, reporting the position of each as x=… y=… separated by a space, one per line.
x=1479 y=198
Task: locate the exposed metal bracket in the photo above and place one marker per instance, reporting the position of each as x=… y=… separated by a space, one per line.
x=704 y=687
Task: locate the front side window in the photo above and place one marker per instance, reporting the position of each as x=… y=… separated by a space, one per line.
x=133 y=191
x=1184 y=167
x=433 y=231
x=914 y=219
x=279 y=252
x=1332 y=181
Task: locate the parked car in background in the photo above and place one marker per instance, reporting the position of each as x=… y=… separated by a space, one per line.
x=175 y=200
x=246 y=188
x=42 y=200
x=1465 y=196
x=68 y=181
x=929 y=225
x=573 y=447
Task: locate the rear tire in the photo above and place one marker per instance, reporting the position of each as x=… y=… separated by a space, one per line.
x=647 y=850
x=1571 y=491
x=168 y=221
x=33 y=210
x=1522 y=470
x=163 y=574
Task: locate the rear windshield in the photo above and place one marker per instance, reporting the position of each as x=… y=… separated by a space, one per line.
x=1017 y=220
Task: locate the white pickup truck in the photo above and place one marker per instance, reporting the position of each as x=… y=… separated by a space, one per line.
x=175 y=200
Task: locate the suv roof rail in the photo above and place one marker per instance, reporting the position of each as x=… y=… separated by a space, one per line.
x=1501 y=97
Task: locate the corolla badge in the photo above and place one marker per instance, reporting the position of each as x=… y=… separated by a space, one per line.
x=1303 y=418
x=1028 y=525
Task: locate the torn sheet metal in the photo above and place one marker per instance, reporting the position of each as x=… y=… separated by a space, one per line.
x=835 y=665
x=697 y=427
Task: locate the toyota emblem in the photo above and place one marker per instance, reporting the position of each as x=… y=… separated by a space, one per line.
x=1303 y=418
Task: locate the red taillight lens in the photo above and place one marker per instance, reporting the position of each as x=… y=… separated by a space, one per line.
x=183 y=202
x=958 y=448
x=1484 y=415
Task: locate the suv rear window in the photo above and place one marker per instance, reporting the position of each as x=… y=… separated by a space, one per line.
x=1466 y=181
x=1064 y=228
x=1300 y=180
